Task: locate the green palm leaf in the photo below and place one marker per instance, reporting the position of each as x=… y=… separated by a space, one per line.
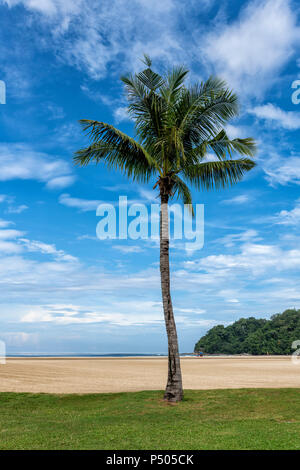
x=218 y=174
x=116 y=149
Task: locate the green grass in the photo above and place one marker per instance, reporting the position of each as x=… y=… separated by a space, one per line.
x=206 y=419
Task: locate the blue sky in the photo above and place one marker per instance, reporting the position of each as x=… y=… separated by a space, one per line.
x=62 y=290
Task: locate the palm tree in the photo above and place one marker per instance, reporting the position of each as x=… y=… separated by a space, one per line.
x=175 y=126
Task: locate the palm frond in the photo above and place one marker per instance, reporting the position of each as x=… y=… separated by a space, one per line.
x=176 y=126
x=150 y=79
x=147 y=61
x=117 y=149
x=182 y=191
x=222 y=146
x=217 y=174
x=204 y=109
x=173 y=87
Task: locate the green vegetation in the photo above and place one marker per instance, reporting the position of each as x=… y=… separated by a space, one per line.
x=205 y=419
x=253 y=336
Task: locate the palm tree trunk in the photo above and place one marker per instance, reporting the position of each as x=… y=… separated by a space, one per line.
x=173 y=390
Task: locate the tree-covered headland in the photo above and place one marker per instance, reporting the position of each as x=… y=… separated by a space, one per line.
x=254 y=336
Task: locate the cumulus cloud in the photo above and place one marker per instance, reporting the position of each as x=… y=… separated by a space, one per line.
x=19 y=161
x=291 y=217
x=286 y=119
x=254 y=258
x=10 y=233
x=250 y=51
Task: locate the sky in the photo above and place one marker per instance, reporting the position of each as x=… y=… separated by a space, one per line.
x=62 y=289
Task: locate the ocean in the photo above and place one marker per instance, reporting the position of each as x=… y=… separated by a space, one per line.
x=85 y=354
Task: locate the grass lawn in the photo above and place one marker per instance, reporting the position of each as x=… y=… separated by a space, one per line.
x=206 y=419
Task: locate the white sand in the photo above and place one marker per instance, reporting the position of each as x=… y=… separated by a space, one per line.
x=98 y=375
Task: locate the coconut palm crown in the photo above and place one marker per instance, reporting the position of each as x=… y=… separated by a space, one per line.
x=176 y=127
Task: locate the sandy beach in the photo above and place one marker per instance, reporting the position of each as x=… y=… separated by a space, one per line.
x=100 y=375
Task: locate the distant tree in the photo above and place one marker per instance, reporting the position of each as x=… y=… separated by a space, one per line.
x=176 y=126
x=253 y=336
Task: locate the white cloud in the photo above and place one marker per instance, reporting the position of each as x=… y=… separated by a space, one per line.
x=286 y=119
x=128 y=249
x=87 y=35
x=121 y=114
x=210 y=157
x=122 y=314
x=10 y=233
x=249 y=52
x=235 y=132
x=241 y=199
x=18 y=161
x=87 y=237
x=11 y=208
x=18 y=338
x=9 y=247
x=9 y=241
x=281 y=169
x=246 y=51
x=17 y=209
x=54 y=111
x=5 y=223
x=249 y=235
x=253 y=258
x=198 y=311
x=291 y=217
x=12 y=242
x=60 y=182
x=78 y=203
x=126 y=313
x=62 y=8
x=45 y=248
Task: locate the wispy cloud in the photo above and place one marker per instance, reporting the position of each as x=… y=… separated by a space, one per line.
x=128 y=249
x=78 y=203
x=241 y=199
x=17 y=209
x=45 y=248
x=249 y=235
x=281 y=169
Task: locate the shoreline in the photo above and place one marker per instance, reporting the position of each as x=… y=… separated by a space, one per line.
x=233 y=356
